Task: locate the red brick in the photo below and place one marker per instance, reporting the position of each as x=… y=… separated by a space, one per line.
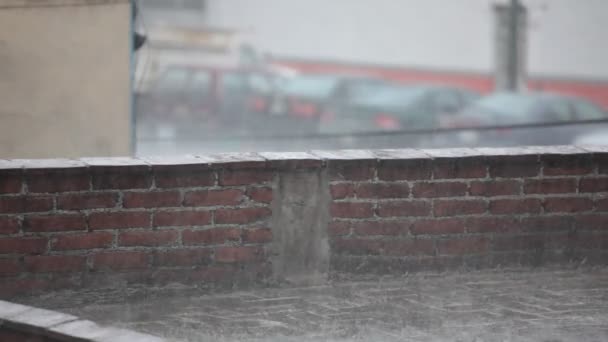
x=492 y=225
x=238 y=254
x=10 y=183
x=54 y=223
x=128 y=177
x=550 y=186
x=601 y=204
x=148 y=238
x=395 y=170
x=86 y=201
x=471 y=167
x=546 y=224
x=439 y=226
x=207 y=198
x=515 y=206
x=357 y=246
x=567 y=165
x=119 y=220
x=211 y=236
x=592 y=222
x=514 y=166
x=262 y=195
x=463 y=246
x=383 y=190
x=568 y=205
x=459 y=207
x=512 y=243
x=120 y=260
x=445 y=189
x=54 y=263
x=244 y=177
x=404 y=209
x=525 y=242
x=241 y=215
x=183 y=257
x=594 y=185
x=338 y=228
x=409 y=247
x=360 y=170
x=23 y=245
x=25 y=204
x=154 y=199
x=342 y=190
x=182 y=218
x=257 y=235
x=380 y=228
x=41 y=181
x=495 y=188
x=9 y=225
x=184 y=179
x=351 y=210
x=9 y=267
x=82 y=241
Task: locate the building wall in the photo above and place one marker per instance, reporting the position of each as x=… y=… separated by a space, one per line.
x=64 y=78
x=565 y=37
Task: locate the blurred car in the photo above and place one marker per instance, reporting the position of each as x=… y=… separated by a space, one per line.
x=207 y=96
x=533 y=118
x=304 y=98
x=396 y=107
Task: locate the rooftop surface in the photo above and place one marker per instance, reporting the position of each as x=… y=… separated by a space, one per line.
x=513 y=305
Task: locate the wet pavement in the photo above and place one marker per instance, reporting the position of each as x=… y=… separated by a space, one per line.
x=545 y=305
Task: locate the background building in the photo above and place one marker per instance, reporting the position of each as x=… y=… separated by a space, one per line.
x=65 y=78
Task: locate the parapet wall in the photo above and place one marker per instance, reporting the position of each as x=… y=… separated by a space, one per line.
x=237 y=219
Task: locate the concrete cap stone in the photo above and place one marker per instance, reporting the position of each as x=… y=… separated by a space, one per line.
x=292 y=159
x=591 y=148
x=395 y=154
x=176 y=160
x=344 y=155
x=556 y=150
x=50 y=163
x=8 y=309
x=64 y=327
x=39 y=318
x=10 y=164
x=453 y=153
x=114 y=161
x=507 y=151
x=236 y=160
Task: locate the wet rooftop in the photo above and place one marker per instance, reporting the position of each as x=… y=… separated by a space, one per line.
x=514 y=305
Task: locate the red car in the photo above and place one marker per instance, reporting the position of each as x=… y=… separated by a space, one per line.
x=187 y=95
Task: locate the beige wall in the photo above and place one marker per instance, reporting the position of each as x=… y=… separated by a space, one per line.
x=64 y=78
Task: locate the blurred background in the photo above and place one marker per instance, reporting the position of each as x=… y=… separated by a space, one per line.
x=289 y=75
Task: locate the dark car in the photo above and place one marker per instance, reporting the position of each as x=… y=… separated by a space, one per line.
x=397 y=107
x=533 y=118
x=306 y=97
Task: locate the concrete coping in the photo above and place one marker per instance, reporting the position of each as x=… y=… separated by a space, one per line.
x=314 y=158
x=63 y=327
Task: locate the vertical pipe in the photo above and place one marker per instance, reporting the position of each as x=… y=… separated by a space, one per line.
x=132 y=65
x=513 y=71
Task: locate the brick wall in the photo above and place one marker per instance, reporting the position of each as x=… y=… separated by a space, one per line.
x=207 y=220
